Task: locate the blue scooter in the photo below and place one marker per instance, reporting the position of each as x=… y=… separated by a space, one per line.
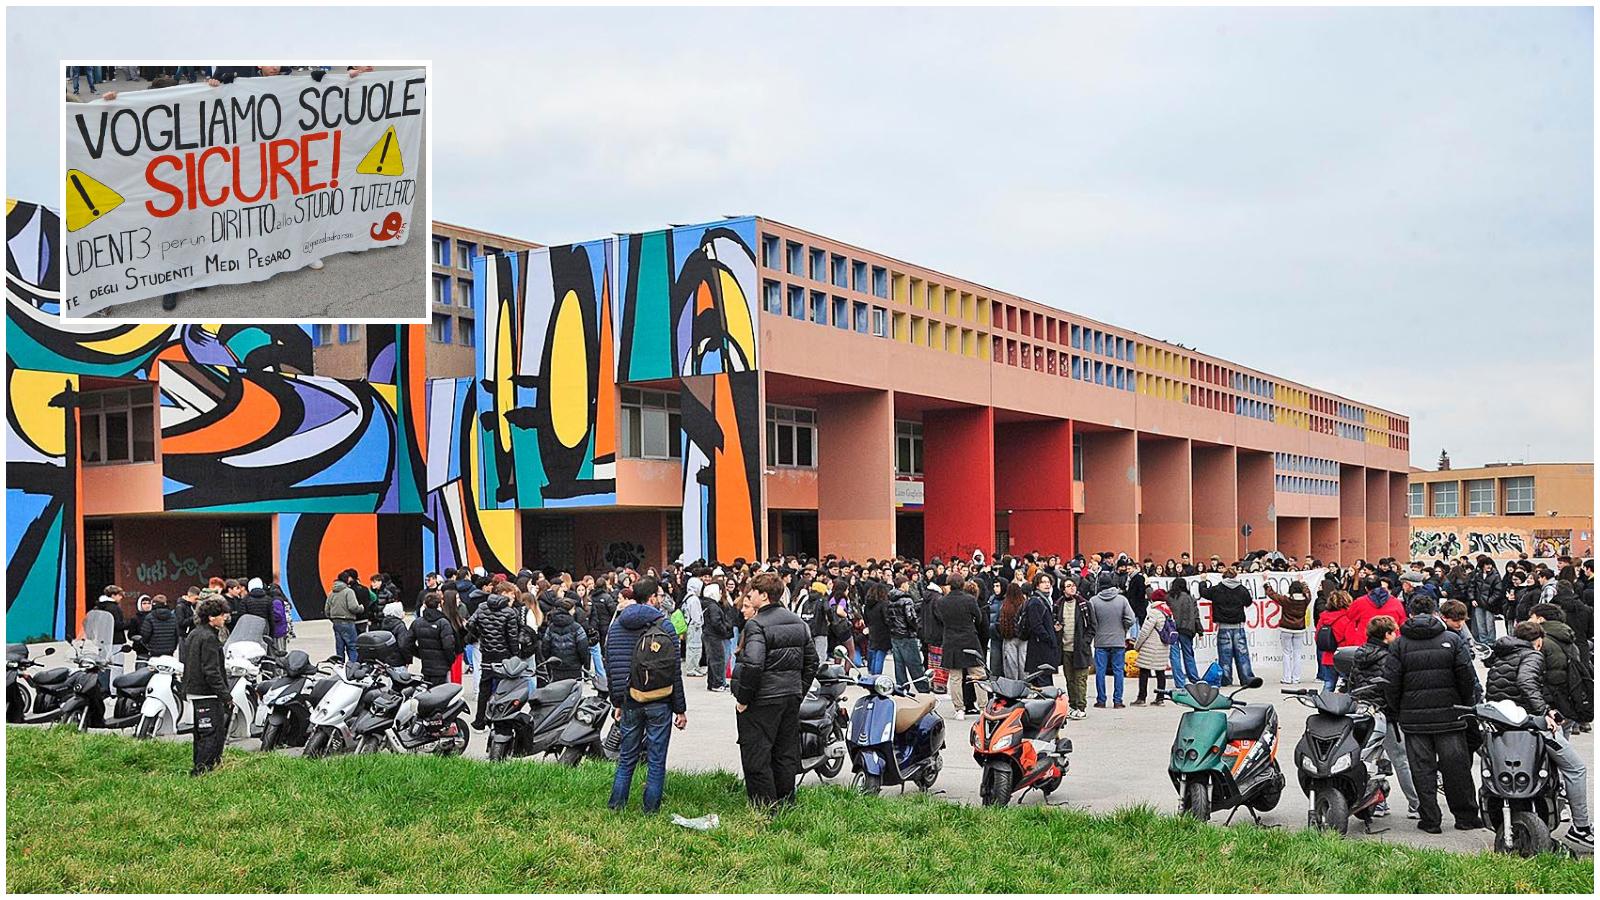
x=895 y=737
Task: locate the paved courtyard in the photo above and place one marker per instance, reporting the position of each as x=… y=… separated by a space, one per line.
x=1119 y=756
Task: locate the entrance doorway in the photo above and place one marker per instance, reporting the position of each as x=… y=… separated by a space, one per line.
x=799 y=533
x=908 y=534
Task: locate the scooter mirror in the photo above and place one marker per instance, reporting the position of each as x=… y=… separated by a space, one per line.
x=49 y=651
x=1255 y=682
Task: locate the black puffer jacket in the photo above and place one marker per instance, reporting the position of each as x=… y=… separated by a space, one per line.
x=715 y=623
x=777 y=657
x=256 y=603
x=1367 y=667
x=433 y=641
x=564 y=644
x=203 y=672
x=1229 y=600
x=497 y=628
x=159 y=633
x=1429 y=672
x=1485 y=590
x=1516 y=671
x=902 y=615
x=400 y=654
x=876 y=615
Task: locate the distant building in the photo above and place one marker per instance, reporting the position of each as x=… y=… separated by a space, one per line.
x=1504 y=510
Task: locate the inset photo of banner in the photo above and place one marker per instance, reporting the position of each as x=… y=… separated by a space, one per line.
x=247 y=192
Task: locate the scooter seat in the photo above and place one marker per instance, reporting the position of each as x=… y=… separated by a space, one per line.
x=813 y=708
x=131 y=680
x=554 y=693
x=1034 y=712
x=908 y=712
x=52 y=677
x=436 y=698
x=1250 y=719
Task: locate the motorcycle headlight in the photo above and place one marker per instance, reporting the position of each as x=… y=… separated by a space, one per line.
x=1342 y=763
x=883 y=686
x=1005 y=742
x=1307 y=763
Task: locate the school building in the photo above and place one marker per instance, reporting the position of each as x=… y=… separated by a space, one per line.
x=1503 y=510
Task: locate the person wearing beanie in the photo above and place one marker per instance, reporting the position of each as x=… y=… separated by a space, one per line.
x=394 y=622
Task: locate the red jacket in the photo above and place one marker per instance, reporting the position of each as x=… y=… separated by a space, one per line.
x=1344 y=634
x=1363 y=610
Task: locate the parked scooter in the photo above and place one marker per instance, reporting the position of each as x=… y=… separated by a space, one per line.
x=431 y=721
x=1521 y=793
x=525 y=719
x=895 y=737
x=1017 y=739
x=346 y=696
x=164 y=710
x=1337 y=760
x=19 y=690
x=243 y=655
x=1225 y=755
x=823 y=723
x=82 y=694
x=287 y=700
x=582 y=736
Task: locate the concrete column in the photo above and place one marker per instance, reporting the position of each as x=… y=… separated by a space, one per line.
x=1399 y=516
x=1257 y=502
x=1294 y=536
x=1325 y=539
x=1166 y=499
x=957 y=480
x=1377 y=512
x=1216 y=501
x=1033 y=479
x=855 y=475
x=1352 y=514
x=1110 y=518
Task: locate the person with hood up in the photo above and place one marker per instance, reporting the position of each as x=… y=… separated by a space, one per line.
x=1112 y=616
x=1186 y=621
x=1075 y=623
x=1559 y=646
x=1429 y=673
x=343 y=609
x=1036 y=625
x=433 y=639
x=394 y=622
x=716 y=619
x=1229 y=601
x=1377 y=601
x=255 y=603
x=646 y=726
x=497 y=628
x=563 y=642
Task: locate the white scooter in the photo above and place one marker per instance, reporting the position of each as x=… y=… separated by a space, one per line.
x=330 y=721
x=163 y=712
x=241 y=660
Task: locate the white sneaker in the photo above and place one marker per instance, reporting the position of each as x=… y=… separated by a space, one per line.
x=961 y=715
x=316 y=265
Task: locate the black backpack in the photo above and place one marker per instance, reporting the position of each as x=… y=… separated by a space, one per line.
x=1580 y=681
x=655 y=663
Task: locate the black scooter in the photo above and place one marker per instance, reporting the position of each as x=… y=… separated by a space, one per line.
x=19 y=693
x=823 y=724
x=1332 y=758
x=582 y=736
x=524 y=719
x=289 y=699
x=1520 y=794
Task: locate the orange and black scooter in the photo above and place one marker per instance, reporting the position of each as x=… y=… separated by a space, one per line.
x=1017 y=738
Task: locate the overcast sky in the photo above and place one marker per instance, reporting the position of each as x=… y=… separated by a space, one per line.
x=1394 y=205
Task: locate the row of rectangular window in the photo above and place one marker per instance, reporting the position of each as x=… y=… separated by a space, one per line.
x=820 y=265
x=840 y=312
x=465 y=252
x=1296 y=484
x=1481 y=497
x=1293 y=462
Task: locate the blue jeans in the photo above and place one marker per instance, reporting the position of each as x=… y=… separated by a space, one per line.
x=1481 y=624
x=598 y=661
x=344 y=641
x=82 y=72
x=875 y=660
x=1181 y=656
x=1113 y=658
x=649 y=728
x=1329 y=676
x=1232 y=650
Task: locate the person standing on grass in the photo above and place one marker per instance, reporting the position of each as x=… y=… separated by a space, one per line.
x=205 y=684
x=645 y=708
x=777 y=662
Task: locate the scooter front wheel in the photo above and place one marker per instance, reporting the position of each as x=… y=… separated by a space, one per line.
x=571 y=755
x=1197 y=800
x=869 y=784
x=77 y=720
x=146 y=728
x=463 y=737
x=1530 y=836
x=995 y=789
x=498 y=750
x=269 y=737
x=1332 y=809
x=369 y=743
x=317 y=743
x=831 y=766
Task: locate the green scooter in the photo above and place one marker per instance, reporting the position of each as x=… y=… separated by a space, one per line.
x=1226 y=753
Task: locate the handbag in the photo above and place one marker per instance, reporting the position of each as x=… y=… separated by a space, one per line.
x=1130 y=662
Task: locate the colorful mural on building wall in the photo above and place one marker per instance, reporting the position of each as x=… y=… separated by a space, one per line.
x=666 y=306
x=314 y=548
x=1495 y=543
x=1434 y=544
x=457 y=531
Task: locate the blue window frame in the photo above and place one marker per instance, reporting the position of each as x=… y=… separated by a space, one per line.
x=772 y=297
x=347 y=333
x=858 y=276
x=840 y=272
x=769 y=251
x=860 y=317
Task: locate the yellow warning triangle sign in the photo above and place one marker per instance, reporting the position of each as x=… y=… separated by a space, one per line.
x=87 y=200
x=384 y=157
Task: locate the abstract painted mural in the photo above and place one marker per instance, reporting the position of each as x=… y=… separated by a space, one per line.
x=43 y=494
x=397 y=367
x=457 y=531
x=1494 y=543
x=315 y=547
x=674 y=307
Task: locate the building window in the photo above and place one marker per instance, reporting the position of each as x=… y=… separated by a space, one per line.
x=880 y=282
x=465 y=253
x=859 y=311
x=819 y=262
x=1446 y=499
x=796 y=260
x=1416 y=505
x=463 y=290
x=772 y=297
x=769 y=251
x=907 y=448
x=841 y=272
x=464 y=328
x=791 y=437
x=441 y=289
x=441 y=251
x=349 y=333
x=797 y=302
x=858 y=276
x=1519 y=496
x=1480 y=497
x=1077 y=457
x=321 y=334
x=442 y=327
x=651 y=426
x=880 y=321
x=819 y=307
x=235 y=546
x=117 y=425
x=841 y=313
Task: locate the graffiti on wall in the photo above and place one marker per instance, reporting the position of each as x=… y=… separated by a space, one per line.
x=1494 y=542
x=1549 y=543
x=457 y=531
x=1434 y=544
x=560 y=327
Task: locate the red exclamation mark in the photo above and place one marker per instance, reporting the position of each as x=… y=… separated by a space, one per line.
x=336 y=136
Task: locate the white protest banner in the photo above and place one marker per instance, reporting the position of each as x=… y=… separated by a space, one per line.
x=1260 y=617
x=185 y=187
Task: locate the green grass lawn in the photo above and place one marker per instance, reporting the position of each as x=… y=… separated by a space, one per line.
x=106 y=813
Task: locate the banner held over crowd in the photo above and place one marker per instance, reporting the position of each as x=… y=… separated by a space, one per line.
x=184 y=187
